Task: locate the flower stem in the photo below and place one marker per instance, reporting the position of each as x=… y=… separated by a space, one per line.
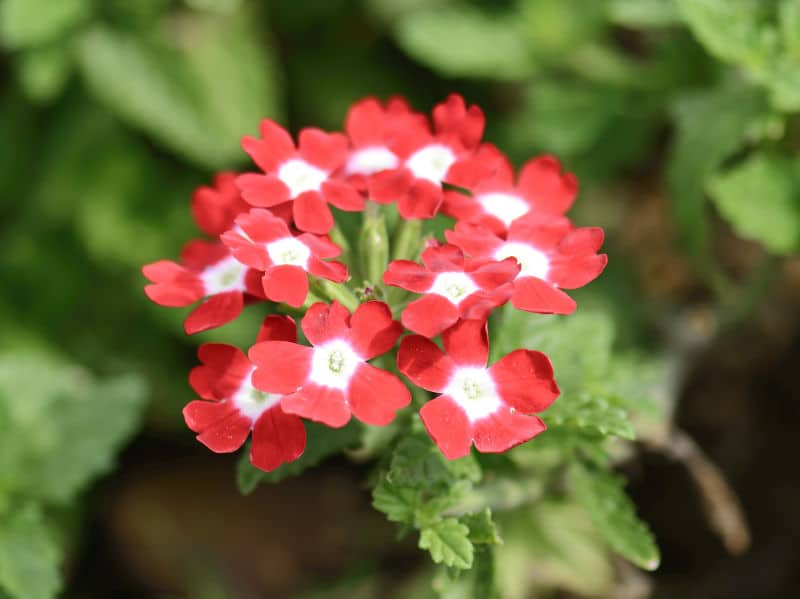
x=328 y=290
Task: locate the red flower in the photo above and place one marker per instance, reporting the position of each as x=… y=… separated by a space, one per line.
x=265 y=243
x=552 y=256
x=372 y=130
x=301 y=176
x=232 y=407
x=489 y=407
x=209 y=271
x=427 y=159
x=496 y=201
x=454 y=287
x=215 y=208
x=331 y=380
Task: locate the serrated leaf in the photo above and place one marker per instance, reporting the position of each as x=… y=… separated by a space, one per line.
x=63 y=427
x=322 y=442
x=602 y=495
x=29 y=557
x=590 y=411
x=482 y=529
x=180 y=88
x=417 y=462
x=760 y=198
x=26 y=23
x=398 y=503
x=448 y=543
x=463 y=41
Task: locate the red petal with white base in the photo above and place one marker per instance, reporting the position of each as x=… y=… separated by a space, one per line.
x=443 y=258
x=277 y=438
x=467 y=342
x=430 y=315
x=535 y=295
x=287 y=284
x=325 y=150
x=223 y=370
x=448 y=426
x=282 y=367
x=543 y=181
x=504 y=429
x=424 y=364
x=408 y=275
x=372 y=330
x=375 y=395
x=524 y=380
x=311 y=213
x=263 y=191
x=320 y=404
x=324 y=322
x=214 y=312
x=274 y=147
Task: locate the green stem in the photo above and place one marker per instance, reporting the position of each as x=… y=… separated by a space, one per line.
x=407 y=241
x=334 y=291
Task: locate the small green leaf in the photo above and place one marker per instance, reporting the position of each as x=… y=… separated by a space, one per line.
x=417 y=462
x=602 y=495
x=589 y=411
x=29 y=557
x=760 y=198
x=322 y=442
x=461 y=41
x=482 y=529
x=32 y=22
x=643 y=13
x=44 y=71
x=449 y=544
x=398 y=503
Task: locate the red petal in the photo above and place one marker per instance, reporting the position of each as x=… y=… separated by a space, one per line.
x=286 y=283
x=262 y=190
x=373 y=331
x=467 y=342
x=325 y=150
x=277 y=438
x=176 y=294
x=320 y=245
x=543 y=182
x=282 y=367
x=246 y=252
x=388 y=186
x=274 y=147
x=375 y=395
x=542 y=233
x=321 y=404
x=198 y=254
x=225 y=366
x=342 y=195
x=202 y=415
x=214 y=312
x=331 y=270
x=430 y=315
x=504 y=429
x=576 y=272
x=443 y=258
x=534 y=295
x=324 y=322
x=226 y=435
x=422 y=361
x=364 y=122
x=421 y=200
x=492 y=274
x=524 y=380
x=448 y=426
x=163 y=271
x=277 y=328
x=262 y=226
x=215 y=208
x=311 y=213
x=452 y=117
x=475 y=240
x=584 y=240
x=459 y=206
x=408 y=275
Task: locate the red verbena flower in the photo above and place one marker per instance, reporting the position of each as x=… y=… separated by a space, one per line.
x=490 y=407
x=453 y=287
x=552 y=254
x=332 y=380
x=214 y=208
x=427 y=157
x=372 y=129
x=231 y=407
x=264 y=242
x=303 y=177
x=209 y=271
x=542 y=188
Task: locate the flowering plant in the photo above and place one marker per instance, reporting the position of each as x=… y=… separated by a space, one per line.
x=395 y=314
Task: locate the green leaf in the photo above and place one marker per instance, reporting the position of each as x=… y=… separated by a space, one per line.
x=417 y=462
x=643 y=13
x=63 y=426
x=461 y=41
x=398 y=503
x=760 y=198
x=555 y=28
x=322 y=442
x=602 y=495
x=29 y=557
x=44 y=71
x=449 y=544
x=26 y=23
x=482 y=529
x=590 y=411
x=181 y=88
x=711 y=125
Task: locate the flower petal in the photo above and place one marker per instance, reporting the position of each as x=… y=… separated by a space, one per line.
x=262 y=226
x=467 y=342
x=408 y=275
x=443 y=258
x=421 y=200
x=542 y=181
x=535 y=295
x=423 y=363
x=227 y=435
x=342 y=195
x=202 y=415
x=373 y=330
x=505 y=429
x=430 y=315
x=277 y=328
x=263 y=191
x=274 y=147
x=320 y=404
x=217 y=310
x=448 y=426
x=282 y=367
x=331 y=269
x=576 y=272
x=278 y=438
x=311 y=213
x=388 y=186
x=524 y=380
x=322 y=149
x=324 y=322
x=375 y=395
x=286 y=283
x=224 y=368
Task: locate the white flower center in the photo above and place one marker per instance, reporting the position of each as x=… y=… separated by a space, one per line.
x=455 y=286
x=288 y=250
x=253 y=402
x=226 y=275
x=333 y=364
x=503 y=206
x=431 y=162
x=473 y=389
x=371 y=160
x=299 y=176
x=533 y=263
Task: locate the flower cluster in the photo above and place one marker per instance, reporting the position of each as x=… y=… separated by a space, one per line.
x=274 y=241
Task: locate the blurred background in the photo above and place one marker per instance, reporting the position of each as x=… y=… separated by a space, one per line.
x=681 y=120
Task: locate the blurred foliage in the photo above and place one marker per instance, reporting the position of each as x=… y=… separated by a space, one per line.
x=113 y=111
